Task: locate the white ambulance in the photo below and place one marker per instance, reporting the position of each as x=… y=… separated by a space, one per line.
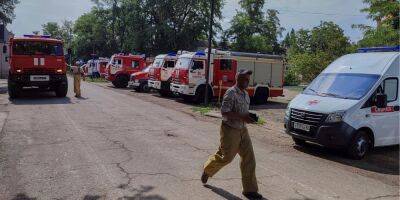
x=353 y=104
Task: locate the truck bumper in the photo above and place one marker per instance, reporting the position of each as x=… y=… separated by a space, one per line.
x=180 y=89
x=335 y=135
x=154 y=84
x=25 y=79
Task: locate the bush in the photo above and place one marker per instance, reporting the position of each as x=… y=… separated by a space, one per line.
x=291 y=79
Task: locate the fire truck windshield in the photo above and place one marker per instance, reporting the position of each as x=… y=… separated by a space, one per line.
x=158 y=62
x=37 y=48
x=183 y=63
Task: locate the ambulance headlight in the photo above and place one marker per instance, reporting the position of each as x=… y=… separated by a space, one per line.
x=287 y=112
x=335 y=117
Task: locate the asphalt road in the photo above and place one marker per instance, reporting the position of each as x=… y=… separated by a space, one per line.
x=112 y=145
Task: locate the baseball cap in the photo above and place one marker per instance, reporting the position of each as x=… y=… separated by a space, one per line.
x=245 y=72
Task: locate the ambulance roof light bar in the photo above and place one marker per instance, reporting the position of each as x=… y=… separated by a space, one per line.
x=379 y=49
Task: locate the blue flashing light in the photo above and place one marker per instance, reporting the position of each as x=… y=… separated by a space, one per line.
x=171 y=54
x=200 y=53
x=380 y=49
x=38 y=36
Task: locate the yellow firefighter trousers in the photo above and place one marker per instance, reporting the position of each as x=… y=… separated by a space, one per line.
x=234 y=141
x=77 y=85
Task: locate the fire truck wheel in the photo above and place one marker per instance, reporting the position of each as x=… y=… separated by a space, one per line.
x=200 y=93
x=13 y=90
x=144 y=87
x=61 y=90
x=261 y=96
x=121 y=81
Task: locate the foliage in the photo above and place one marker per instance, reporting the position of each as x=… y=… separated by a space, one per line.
x=386 y=15
x=253 y=30
x=310 y=51
x=202 y=109
x=7 y=8
x=136 y=26
x=291 y=78
x=63 y=32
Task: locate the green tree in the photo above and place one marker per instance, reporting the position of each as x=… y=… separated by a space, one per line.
x=7 y=8
x=310 y=51
x=62 y=32
x=253 y=30
x=386 y=15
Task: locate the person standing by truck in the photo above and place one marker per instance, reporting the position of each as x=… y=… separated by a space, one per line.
x=77 y=72
x=235 y=138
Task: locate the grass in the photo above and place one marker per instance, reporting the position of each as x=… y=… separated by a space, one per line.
x=261 y=121
x=295 y=88
x=202 y=109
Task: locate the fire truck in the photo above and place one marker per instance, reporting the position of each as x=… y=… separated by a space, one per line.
x=139 y=80
x=121 y=66
x=101 y=64
x=161 y=71
x=37 y=61
x=188 y=78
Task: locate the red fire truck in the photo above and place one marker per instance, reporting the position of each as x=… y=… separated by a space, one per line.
x=161 y=71
x=121 y=66
x=189 y=75
x=37 y=61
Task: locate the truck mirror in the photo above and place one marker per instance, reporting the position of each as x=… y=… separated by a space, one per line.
x=381 y=100
x=5 y=49
x=6 y=59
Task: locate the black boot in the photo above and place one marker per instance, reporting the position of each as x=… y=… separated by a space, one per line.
x=252 y=195
x=204 y=178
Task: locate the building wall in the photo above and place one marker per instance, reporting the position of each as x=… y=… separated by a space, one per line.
x=4 y=64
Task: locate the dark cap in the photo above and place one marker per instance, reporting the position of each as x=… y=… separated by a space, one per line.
x=245 y=72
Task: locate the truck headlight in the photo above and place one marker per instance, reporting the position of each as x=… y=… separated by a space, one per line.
x=335 y=117
x=287 y=112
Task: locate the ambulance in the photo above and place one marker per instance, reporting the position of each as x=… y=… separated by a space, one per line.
x=121 y=66
x=161 y=71
x=37 y=61
x=189 y=81
x=353 y=104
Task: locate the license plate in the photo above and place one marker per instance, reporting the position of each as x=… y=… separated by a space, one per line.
x=301 y=126
x=40 y=78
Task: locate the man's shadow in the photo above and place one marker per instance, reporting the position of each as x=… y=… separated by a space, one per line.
x=223 y=193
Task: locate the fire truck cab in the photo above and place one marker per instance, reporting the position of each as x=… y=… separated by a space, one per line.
x=37 y=61
x=121 y=66
x=189 y=75
x=161 y=71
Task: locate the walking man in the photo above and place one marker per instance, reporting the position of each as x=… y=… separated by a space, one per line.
x=235 y=138
x=77 y=72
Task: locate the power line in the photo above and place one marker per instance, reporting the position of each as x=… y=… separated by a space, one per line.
x=318 y=13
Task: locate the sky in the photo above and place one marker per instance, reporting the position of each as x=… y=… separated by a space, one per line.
x=296 y=14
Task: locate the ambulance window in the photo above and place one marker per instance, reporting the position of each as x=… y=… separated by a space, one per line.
x=226 y=65
x=198 y=65
x=169 y=64
x=135 y=64
x=390 y=87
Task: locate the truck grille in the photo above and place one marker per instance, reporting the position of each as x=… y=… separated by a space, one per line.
x=305 y=117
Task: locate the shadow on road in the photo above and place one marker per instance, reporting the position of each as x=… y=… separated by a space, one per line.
x=22 y=196
x=384 y=160
x=223 y=193
x=39 y=97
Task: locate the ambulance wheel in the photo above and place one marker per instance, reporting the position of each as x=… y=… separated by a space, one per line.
x=359 y=146
x=261 y=96
x=62 y=89
x=13 y=90
x=121 y=81
x=144 y=87
x=299 y=142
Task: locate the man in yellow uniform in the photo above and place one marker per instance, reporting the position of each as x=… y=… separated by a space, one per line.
x=235 y=138
x=77 y=72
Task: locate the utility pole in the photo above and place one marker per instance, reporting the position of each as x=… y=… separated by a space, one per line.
x=210 y=29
